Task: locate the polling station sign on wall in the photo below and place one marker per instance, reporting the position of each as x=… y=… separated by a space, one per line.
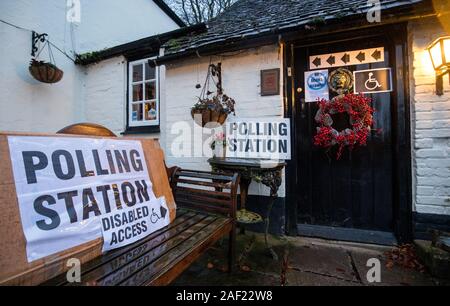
x=73 y=190
x=259 y=138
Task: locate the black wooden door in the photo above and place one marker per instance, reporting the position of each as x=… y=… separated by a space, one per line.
x=356 y=191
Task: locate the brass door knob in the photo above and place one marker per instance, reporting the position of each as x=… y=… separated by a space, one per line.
x=299 y=90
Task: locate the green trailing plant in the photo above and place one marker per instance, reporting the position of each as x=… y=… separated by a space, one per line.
x=89 y=57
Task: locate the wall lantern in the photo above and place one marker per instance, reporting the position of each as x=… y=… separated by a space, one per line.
x=440 y=57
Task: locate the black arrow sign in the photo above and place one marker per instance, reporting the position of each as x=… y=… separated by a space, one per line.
x=331 y=60
x=376 y=55
x=317 y=62
x=163 y=212
x=361 y=57
x=346 y=58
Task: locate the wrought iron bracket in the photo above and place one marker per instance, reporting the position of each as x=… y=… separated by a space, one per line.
x=216 y=71
x=34 y=41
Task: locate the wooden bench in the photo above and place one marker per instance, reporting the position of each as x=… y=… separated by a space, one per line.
x=203 y=218
x=206 y=213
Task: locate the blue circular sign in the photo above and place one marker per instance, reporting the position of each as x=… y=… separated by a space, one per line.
x=317 y=81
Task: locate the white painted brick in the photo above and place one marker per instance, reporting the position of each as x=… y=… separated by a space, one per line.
x=437 y=163
x=422 y=171
x=423 y=107
x=430 y=98
x=423 y=143
x=433 y=181
x=424 y=124
x=425 y=80
x=441 y=106
x=433 y=200
x=430 y=153
x=433 y=209
x=442 y=191
x=441 y=124
x=425 y=190
x=434 y=133
x=433 y=115
x=425 y=89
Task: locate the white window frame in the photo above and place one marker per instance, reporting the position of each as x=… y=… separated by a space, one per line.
x=130 y=103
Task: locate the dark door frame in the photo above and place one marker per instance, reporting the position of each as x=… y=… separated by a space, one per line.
x=396 y=36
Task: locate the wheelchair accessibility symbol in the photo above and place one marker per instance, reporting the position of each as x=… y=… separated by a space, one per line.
x=373 y=81
x=154 y=218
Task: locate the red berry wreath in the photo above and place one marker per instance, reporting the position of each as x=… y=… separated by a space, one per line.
x=360 y=112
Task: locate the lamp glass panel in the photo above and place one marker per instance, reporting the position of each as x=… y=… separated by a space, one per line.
x=436 y=55
x=447 y=50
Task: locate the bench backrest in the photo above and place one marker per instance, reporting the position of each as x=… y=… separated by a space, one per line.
x=14 y=267
x=210 y=192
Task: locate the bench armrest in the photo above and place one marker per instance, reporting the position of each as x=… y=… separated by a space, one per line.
x=207 y=191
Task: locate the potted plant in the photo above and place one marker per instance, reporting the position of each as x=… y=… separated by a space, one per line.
x=219 y=145
x=45 y=72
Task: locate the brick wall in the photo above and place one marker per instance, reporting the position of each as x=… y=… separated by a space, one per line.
x=430 y=124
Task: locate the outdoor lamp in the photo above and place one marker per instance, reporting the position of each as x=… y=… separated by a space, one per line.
x=440 y=57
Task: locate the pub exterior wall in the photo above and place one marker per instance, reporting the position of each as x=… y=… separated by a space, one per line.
x=430 y=123
x=241 y=81
x=28 y=105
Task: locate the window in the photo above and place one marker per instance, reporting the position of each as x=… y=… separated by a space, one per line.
x=143 y=95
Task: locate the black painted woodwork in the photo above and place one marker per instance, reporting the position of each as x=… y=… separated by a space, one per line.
x=369 y=188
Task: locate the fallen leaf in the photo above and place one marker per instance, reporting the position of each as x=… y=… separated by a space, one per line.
x=245 y=268
x=340 y=270
x=210 y=265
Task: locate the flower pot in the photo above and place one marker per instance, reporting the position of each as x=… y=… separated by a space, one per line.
x=45 y=72
x=220 y=151
x=204 y=116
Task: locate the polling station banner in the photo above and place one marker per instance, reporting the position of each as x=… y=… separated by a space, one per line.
x=65 y=186
x=259 y=138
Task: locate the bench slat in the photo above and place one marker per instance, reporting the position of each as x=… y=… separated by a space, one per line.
x=205 y=175
x=202 y=206
x=147 y=251
x=113 y=272
x=182 y=217
x=147 y=275
x=205 y=184
x=184 y=195
x=209 y=193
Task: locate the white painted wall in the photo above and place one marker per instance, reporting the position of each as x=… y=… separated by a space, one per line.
x=26 y=104
x=430 y=124
x=241 y=81
x=106 y=23
x=105 y=94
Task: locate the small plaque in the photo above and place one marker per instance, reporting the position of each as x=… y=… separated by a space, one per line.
x=270 y=82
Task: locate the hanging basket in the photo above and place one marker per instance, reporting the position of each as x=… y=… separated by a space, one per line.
x=45 y=72
x=204 y=116
x=212 y=107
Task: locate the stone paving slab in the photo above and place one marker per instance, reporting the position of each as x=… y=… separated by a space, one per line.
x=302 y=262
x=395 y=276
x=330 y=261
x=297 y=278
